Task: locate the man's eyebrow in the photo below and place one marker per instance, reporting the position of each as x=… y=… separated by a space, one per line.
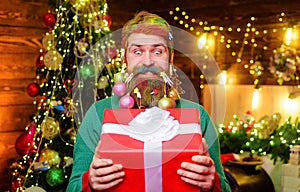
x=154 y=45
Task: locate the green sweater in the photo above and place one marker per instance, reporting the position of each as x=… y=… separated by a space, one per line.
x=90 y=131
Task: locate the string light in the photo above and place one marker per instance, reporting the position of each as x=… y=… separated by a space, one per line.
x=248 y=34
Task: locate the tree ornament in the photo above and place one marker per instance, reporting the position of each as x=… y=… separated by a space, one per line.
x=81 y=48
x=25 y=142
x=48 y=41
x=40 y=60
x=107 y=20
x=33 y=89
x=102 y=82
x=53 y=59
x=17 y=185
x=41 y=166
x=49 y=128
x=173 y=94
x=165 y=103
x=49 y=156
x=55 y=177
x=120 y=89
x=35 y=189
x=126 y=102
x=49 y=20
x=70 y=84
x=87 y=71
x=284 y=63
x=119 y=77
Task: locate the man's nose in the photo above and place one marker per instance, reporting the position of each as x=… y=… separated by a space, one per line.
x=148 y=60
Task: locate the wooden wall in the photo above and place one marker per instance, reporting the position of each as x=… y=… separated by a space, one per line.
x=21 y=30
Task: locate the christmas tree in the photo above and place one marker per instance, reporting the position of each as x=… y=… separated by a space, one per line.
x=75 y=68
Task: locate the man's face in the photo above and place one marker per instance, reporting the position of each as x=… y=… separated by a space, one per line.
x=148 y=51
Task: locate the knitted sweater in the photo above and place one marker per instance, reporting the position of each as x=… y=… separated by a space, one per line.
x=90 y=130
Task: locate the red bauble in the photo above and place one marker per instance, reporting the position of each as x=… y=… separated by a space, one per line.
x=40 y=60
x=49 y=20
x=107 y=19
x=17 y=184
x=33 y=89
x=25 y=142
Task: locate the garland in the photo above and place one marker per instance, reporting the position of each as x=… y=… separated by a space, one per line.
x=284 y=64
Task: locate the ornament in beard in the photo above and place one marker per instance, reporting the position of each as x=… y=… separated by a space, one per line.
x=149 y=91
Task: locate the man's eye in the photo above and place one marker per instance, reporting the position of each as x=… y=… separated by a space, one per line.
x=157 y=52
x=137 y=52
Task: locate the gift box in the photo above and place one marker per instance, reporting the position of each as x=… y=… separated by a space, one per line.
x=151 y=144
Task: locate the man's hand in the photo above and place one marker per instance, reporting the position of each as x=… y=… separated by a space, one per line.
x=200 y=173
x=103 y=174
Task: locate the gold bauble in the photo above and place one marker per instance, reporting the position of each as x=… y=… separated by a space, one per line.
x=49 y=128
x=103 y=82
x=53 y=59
x=50 y=156
x=48 y=41
x=165 y=103
x=173 y=94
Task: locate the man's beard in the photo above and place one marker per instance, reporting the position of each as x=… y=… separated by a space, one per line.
x=147 y=90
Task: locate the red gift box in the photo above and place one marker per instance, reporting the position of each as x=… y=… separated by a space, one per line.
x=150 y=166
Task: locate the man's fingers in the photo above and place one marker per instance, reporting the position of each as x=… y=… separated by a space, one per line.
x=203 y=160
x=97 y=163
x=108 y=170
x=107 y=178
x=101 y=187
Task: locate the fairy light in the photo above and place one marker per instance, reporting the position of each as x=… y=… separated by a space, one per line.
x=288 y=36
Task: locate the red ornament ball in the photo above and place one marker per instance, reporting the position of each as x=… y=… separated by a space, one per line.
x=33 y=89
x=25 y=142
x=17 y=185
x=107 y=20
x=49 y=20
x=40 y=60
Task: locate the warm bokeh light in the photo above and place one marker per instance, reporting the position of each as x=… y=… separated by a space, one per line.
x=255 y=98
x=223 y=77
x=291 y=106
x=289 y=36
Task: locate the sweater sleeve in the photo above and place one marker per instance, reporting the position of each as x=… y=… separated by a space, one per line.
x=210 y=135
x=86 y=141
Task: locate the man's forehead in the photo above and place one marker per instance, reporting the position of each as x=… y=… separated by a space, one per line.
x=140 y=39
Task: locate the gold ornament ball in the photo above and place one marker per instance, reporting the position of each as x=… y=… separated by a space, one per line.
x=173 y=94
x=165 y=103
x=49 y=127
x=50 y=156
x=102 y=83
x=48 y=41
x=53 y=59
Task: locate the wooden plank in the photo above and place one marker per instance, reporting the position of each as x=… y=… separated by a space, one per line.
x=8 y=155
x=13 y=92
x=17 y=40
x=15 y=117
x=23 y=12
x=17 y=66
